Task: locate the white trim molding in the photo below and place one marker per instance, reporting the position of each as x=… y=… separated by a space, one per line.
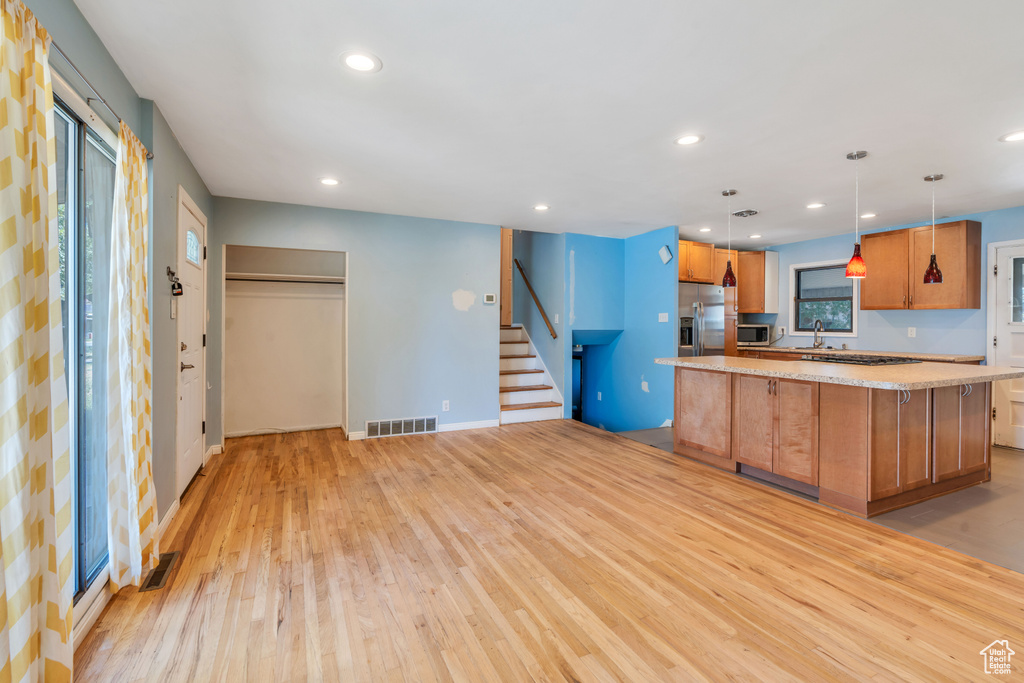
x=165 y=521
x=93 y=602
x=792 y=331
x=356 y=436
x=459 y=426
x=272 y=430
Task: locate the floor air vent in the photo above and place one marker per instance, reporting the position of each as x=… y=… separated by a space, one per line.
x=158 y=577
x=405 y=425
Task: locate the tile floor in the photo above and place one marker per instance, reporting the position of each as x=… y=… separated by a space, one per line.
x=984 y=521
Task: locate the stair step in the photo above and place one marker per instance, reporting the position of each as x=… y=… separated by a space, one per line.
x=511 y=327
x=515 y=342
x=526 y=387
x=519 y=372
x=517 y=355
x=529 y=406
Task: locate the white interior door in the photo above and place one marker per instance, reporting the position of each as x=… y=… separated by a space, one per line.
x=1008 y=397
x=191 y=328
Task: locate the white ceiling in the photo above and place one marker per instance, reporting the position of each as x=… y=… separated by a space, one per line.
x=484 y=109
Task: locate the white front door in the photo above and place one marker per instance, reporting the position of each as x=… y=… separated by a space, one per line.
x=191 y=328
x=1008 y=397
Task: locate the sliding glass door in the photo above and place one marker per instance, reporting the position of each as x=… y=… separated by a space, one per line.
x=85 y=197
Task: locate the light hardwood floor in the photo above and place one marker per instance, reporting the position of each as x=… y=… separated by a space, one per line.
x=539 y=551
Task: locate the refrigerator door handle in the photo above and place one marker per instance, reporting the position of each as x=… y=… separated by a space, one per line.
x=699 y=321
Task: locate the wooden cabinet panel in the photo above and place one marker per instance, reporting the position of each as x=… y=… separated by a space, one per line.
x=975 y=421
x=796 y=430
x=945 y=433
x=703 y=411
x=750 y=281
x=702 y=262
x=843 y=437
x=915 y=440
x=721 y=256
x=900 y=445
x=779 y=355
x=753 y=408
x=958 y=253
x=683 y=259
x=886 y=255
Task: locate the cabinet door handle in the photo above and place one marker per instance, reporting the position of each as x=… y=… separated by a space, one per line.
x=963 y=390
x=970 y=389
x=911 y=299
x=769 y=387
x=904 y=299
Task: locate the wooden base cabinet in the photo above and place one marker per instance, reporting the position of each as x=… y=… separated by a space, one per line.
x=775 y=426
x=703 y=409
x=962 y=423
x=899 y=442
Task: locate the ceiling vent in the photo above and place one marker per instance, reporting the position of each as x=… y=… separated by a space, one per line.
x=376 y=429
x=745 y=213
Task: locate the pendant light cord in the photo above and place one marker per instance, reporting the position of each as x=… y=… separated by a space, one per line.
x=933 y=217
x=729 y=219
x=856 y=202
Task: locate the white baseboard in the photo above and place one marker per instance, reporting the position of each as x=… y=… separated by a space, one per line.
x=165 y=521
x=459 y=426
x=95 y=599
x=215 y=449
x=288 y=430
x=356 y=436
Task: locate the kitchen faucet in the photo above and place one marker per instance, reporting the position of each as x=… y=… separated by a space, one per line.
x=818 y=327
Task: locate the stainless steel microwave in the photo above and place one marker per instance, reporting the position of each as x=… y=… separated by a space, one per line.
x=753 y=335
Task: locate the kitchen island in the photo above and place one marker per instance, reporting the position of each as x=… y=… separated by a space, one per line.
x=866 y=439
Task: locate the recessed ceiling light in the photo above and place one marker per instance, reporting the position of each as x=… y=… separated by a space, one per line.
x=815 y=205
x=755 y=237
x=705 y=229
x=361 y=61
x=1016 y=136
x=541 y=207
x=689 y=139
x=868 y=215
x=329 y=181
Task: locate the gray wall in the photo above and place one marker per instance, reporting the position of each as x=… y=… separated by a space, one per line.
x=410 y=348
x=170 y=167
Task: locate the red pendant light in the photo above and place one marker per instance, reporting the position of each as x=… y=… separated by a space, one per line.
x=933 y=276
x=730 y=278
x=856 y=268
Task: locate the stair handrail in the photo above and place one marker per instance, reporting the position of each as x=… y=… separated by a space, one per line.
x=544 y=315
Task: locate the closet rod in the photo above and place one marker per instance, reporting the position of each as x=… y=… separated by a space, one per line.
x=267 y=279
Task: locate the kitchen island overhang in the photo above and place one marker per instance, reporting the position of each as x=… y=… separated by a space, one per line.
x=860 y=438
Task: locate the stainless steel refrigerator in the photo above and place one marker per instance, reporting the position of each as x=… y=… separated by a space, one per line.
x=701 y=320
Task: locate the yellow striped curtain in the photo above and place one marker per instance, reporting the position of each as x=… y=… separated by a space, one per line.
x=35 y=463
x=131 y=536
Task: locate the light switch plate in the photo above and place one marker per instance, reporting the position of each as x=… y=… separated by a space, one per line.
x=599 y=396
x=555 y=321
x=444 y=406
x=663 y=317
x=911 y=331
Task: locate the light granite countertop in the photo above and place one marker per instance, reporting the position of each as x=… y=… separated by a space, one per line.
x=910 y=376
x=936 y=357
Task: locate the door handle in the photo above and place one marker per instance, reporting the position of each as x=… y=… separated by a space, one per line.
x=185 y=367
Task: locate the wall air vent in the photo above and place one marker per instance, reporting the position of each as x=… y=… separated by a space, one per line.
x=406 y=425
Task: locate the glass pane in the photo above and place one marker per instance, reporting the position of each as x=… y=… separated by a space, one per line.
x=1017 y=291
x=192 y=247
x=64 y=134
x=95 y=261
x=834 y=315
x=824 y=283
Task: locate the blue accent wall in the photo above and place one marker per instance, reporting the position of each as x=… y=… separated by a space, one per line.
x=409 y=347
x=542 y=256
x=960 y=331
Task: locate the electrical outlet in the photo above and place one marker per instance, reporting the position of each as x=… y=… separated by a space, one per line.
x=599 y=396
x=781 y=331
x=911 y=332
x=444 y=406
x=556 y=318
x=663 y=317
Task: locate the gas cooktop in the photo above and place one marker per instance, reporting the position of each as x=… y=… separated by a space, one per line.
x=861 y=360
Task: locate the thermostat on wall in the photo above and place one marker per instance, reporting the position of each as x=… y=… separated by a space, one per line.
x=490 y=298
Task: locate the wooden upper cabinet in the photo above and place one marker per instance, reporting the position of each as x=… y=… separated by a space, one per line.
x=958 y=253
x=757 y=281
x=696 y=261
x=702 y=262
x=886 y=285
x=683 y=258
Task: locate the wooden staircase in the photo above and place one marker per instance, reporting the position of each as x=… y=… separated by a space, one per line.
x=525 y=389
